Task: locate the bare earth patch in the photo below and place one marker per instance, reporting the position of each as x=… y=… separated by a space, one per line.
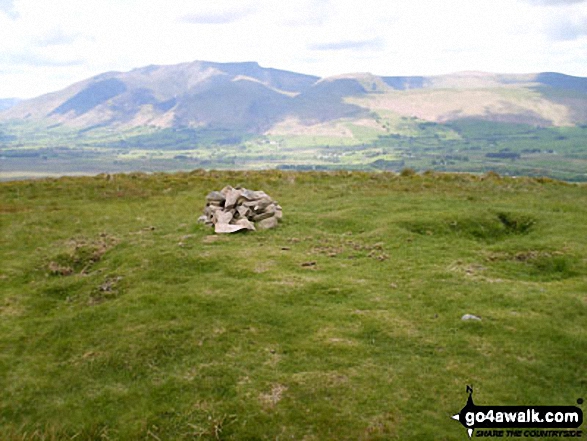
x=273 y=397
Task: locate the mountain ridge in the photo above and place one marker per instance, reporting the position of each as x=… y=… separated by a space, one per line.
x=252 y=99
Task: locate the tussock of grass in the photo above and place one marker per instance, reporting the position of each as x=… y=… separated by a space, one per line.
x=121 y=318
x=538 y=265
x=516 y=224
x=81 y=255
x=486 y=226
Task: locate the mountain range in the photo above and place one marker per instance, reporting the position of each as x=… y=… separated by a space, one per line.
x=248 y=98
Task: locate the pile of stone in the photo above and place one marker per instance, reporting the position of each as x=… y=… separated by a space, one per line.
x=235 y=209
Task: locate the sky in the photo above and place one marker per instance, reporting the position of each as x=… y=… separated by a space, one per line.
x=48 y=45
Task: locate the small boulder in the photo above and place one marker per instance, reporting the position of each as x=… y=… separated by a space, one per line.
x=470 y=317
x=268 y=223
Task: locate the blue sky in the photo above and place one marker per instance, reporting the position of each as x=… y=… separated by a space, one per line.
x=46 y=46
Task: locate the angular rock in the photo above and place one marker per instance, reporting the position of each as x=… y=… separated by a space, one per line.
x=262 y=204
x=223 y=217
x=251 y=195
x=243 y=211
x=211 y=209
x=249 y=204
x=245 y=223
x=215 y=196
x=268 y=223
x=231 y=198
x=226 y=189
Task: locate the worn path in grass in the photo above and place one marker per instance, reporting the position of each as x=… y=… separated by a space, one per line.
x=121 y=318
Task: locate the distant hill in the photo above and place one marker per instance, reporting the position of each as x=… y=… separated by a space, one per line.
x=248 y=98
x=235 y=95
x=7 y=103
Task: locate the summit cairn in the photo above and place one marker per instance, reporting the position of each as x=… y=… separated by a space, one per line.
x=234 y=209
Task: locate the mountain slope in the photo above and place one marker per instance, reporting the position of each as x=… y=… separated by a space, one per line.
x=190 y=94
x=248 y=98
x=545 y=99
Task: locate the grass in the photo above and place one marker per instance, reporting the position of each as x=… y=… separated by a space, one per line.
x=124 y=319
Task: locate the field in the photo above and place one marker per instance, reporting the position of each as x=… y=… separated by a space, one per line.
x=124 y=319
x=386 y=142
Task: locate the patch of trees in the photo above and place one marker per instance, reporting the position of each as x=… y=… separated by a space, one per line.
x=450 y=160
x=50 y=152
x=184 y=158
x=385 y=164
x=503 y=155
x=301 y=167
x=457 y=158
x=179 y=139
x=20 y=153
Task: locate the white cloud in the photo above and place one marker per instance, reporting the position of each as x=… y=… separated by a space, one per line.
x=217 y=17
x=348 y=45
x=49 y=45
x=555 y=2
x=29 y=58
x=568 y=24
x=57 y=37
x=7 y=7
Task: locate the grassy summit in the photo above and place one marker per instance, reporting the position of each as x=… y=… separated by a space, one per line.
x=121 y=318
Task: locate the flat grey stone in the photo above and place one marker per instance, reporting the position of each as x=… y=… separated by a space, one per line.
x=251 y=195
x=249 y=204
x=227 y=228
x=262 y=216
